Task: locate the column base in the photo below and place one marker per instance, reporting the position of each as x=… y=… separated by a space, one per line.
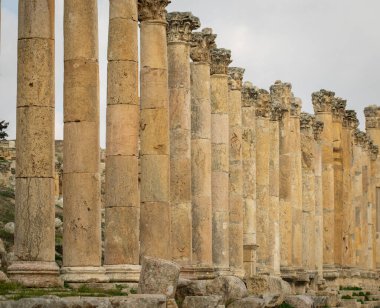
x=198 y=273
x=221 y=271
x=36 y=274
x=123 y=272
x=330 y=272
x=84 y=274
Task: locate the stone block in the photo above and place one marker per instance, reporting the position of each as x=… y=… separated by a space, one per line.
x=158 y=277
x=35 y=229
x=122 y=130
x=230 y=288
x=179 y=68
x=202 y=302
x=219 y=94
x=122 y=84
x=219 y=128
x=201 y=167
x=122 y=230
x=154 y=81
x=122 y=183
x=123 y=9
x=200 y=119
x=248 y=302
x=35 y=142
x=81 y=91
x=299 y=301
x=180 y=143
x=153 y=45
x=35 y=72
x=120 y=48
x=180 y=180
x=235 y=141
x=220 y=158
x=81 y=147
x=220 y=194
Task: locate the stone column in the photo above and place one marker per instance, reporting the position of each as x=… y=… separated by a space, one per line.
x=81 y=179
x=318 y=245
x=154 y=131
x=338 y=110
x=282 y=93
x=350 y=123
x=249 y=178
x=179 y=30
x=34 y=220
x=236 y=242
x=322 y=102
x=276 y=114
x=308 y=192
x=296 y=182
x=122 y=217
x=264 y=252
x=220 y=59
x=374 y=152
x=364 y=257
x=202 y=43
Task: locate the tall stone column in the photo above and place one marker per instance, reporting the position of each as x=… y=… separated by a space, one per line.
x=122 y=217
x=374 y=153
x=364 y=257
x=34 y=220
x=282 y=93
x=296 y=182
x=155 y=212
x=276 y=114
x=350 y=123
x=236 y=242
x=264 y=252
x=81 y=179
x=220 y=59
x=338 y=111
x=308 y=192
x=249 y=177
x=318 y=244
x=322 y=102
x=202 y=43
x=179 y=30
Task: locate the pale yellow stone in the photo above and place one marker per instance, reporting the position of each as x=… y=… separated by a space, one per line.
x=181 y=232
x=201 y=167
x=122 y=49
x=123 y=9
x=180 y=143
x=220 y=240
x=220 y=128
x=156 y=80
x=219 y=94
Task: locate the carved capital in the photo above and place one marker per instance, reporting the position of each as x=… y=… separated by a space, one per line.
x=359 y=137
x=338 y=109
x=350 y=119
x=220 y=59
x=306 y=121
x=152 y=10
x=318 y=129
x=371 y=111
x=374 y=151
x=180 y=26
x=372 y=117
x=276 y=111
x=235 y=77
x=201 y=45
x=295 y=107
x=262 y=103
x=248 y=94
x=323 y=101
x=282 y=92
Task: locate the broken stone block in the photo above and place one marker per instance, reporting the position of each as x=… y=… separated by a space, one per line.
x=299 y=301
x=230 y=288
x=202 y=301
x=248 y=302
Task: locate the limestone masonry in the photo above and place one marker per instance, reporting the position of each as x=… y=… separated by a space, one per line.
x=201 y=168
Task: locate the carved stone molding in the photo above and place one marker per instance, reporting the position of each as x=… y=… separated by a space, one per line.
x=282 y=92
x=220 y=59
x=180 y=26
x=235 y=77
x=295 y=107
x=338 y=109
x=306 y=121
x=318 y=129
x=150 y=10
x=201 y=45
x=323 y=101
x=372 y=116
x=350 y=119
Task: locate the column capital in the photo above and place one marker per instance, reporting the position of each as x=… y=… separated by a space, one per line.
x=262 y=103
x=201 y=45
x=359 y=137
x=318 y=129
x=323 y=101
x=248 y=94
x=372 y=116
x=282 y=93
x=295 y=107
x=276 y=111
x=220 y=59
x=306 y=121
x=235 y=78
x=338 y=109
x=180 y=26
x=150 y=10
x=350 y=119
x=374 y=151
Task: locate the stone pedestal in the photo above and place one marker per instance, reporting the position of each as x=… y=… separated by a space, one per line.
x=122 y=215
x=220 y=59
x=155 y=212
x=180 y=26
x=202 y=43
x=81 y=179
x=34 y=219
x=236 y=172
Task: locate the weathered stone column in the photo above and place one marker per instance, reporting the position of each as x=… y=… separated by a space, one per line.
x=374 y=152
x=276 y=114
x=179 y=29
x=322 y=102
x=81 y=178
x=338 y=110
x=220 y=59
x=122 y=217
x=34 y=219
x=282 y=93
x=350 y=123
x=264 y=252
x=236 y=214
x=202 y=43
x=308 y=192
x=317 y=129
x=249 y=177
x=154 y=131
x=364 y=257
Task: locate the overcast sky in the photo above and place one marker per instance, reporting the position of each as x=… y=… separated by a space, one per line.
x=314 y=44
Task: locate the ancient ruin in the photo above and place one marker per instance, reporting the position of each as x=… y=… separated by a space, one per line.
x=230 y=182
